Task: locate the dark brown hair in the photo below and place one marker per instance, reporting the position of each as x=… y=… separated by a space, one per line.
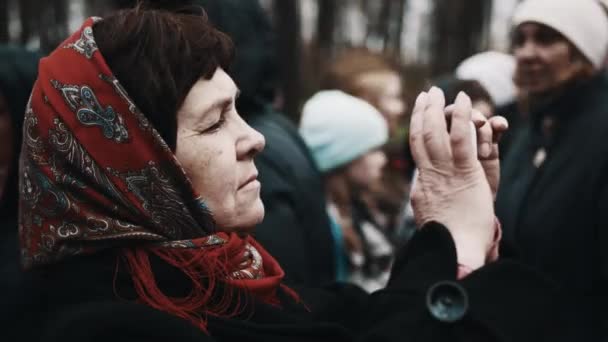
x=451 y=86
x=158 y=54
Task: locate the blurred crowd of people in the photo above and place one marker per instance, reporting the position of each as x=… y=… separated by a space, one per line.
x=336 y=186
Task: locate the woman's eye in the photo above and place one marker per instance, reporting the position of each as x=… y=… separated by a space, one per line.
x=546 y=38
x=216 y=127
x=517 y=40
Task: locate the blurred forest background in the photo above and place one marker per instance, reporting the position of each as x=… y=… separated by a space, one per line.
x=430 y=37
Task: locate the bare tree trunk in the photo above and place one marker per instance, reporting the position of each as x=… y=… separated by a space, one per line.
x=384 y=23
x=326 y=22
x=370 y=8
x=100 y=8
x=487 y=15
x=45 y=22
x=4 y=36
x=400 y=12
x=454 y=38
x=288 y=29
x=60 y=10
x=27 y=17
x=322 y=49
x=52 y=20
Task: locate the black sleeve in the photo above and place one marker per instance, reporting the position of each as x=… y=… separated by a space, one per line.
x=502 y=301
x=601 y=247
x=118 y=322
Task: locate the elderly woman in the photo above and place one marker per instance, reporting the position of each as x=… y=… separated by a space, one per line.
x=139 y=196
x=553 y=201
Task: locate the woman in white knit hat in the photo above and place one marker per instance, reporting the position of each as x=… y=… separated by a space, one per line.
x=553 y=199
x=605 y=5
x=345 y=135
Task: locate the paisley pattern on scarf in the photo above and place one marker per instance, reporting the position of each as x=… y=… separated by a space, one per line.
x=96 y=174
x=143 y=121
x=158 y=196
x=90 y=112
x=67 y=150
x=85 y=45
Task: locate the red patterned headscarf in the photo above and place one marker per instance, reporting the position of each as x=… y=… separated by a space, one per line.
x=95 y=174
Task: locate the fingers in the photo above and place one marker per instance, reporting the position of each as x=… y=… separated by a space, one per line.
x=484 y=138
x=435 y=131
x=499 y=126
x=494 y=153
x=477 y=120
x=461 y=139
x=416 y=136
x=429 y=124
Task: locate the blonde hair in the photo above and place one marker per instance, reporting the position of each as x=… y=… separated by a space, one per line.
x=346 y=71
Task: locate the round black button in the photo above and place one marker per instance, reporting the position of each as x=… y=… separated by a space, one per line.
x=447 y=301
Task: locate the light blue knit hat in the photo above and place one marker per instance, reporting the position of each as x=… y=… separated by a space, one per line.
x=340 y=128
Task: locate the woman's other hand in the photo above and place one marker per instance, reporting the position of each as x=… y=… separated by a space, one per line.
x=452 y=187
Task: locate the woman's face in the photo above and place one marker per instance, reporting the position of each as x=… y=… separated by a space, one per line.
x=367 y=169
x=6 y=143
x=386 y=94
x=545 y=59
x=216 y=148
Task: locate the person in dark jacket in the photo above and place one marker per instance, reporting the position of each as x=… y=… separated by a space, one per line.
x=17 y=74
x=18 y=69
x=137 y=200
x=296 y=229
x=553 y=200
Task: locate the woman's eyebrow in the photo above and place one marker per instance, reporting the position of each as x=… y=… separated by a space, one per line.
x=220 y=104
x=223 y=102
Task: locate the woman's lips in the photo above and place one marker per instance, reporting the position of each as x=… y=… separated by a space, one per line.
x=250 y=180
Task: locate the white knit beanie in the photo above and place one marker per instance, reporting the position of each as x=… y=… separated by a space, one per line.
x=340 y=128
x=494 y=71
x=583 y=22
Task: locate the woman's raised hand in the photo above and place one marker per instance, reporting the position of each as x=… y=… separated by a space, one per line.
x=452 y=187
x=489 y=132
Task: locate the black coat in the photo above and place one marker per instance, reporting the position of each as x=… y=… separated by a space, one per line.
x=555 y=216
x=10 y=270
x=18 y=71
x=78 y=300
x=296 y=228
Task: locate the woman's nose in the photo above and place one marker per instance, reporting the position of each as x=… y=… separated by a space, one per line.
x=251 y=143
x=526 y=50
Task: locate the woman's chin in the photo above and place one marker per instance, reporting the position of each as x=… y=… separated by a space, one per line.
x=246 y=222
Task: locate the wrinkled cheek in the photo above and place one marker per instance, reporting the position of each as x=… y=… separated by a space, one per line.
x=196 y=170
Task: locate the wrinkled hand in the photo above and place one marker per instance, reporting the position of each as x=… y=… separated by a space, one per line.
x=452 y=187
x=489 y=131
